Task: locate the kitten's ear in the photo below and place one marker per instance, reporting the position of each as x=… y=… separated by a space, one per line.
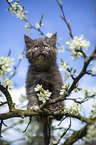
x=28 y=41
x=53 y=39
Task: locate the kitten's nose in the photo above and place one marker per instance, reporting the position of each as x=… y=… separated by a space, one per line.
x=41 y=50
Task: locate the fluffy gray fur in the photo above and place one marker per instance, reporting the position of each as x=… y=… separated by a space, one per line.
x=43 y=69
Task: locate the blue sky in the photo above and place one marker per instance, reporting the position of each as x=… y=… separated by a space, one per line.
x=80 y=13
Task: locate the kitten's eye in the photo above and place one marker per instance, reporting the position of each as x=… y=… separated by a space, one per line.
x=36 y=47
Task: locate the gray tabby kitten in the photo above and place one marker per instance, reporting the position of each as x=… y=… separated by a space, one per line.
x=43 y=69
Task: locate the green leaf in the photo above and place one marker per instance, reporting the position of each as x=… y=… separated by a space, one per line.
x=74 y=70
x=68 y=85
x=16 y=1
x=62 y=17
x=7 y=10
x=68 y=23
x=42 y=15
x=71 y=68
x=62 y=60
x=41 y=19
x=79 y=89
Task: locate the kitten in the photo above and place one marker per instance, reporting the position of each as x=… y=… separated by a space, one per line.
x=43 y=69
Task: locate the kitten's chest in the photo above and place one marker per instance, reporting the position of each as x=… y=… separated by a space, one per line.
x=44 y=78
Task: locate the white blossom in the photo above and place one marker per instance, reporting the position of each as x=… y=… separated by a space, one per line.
x=38 y=88
x=21 y=56
x=49 y=34
x=20 y=15
x=76 y=108
x=27 y=25
x=62 y=91
x=94 y=69
x=64 y=66
x=29 y=31
x=75 y=46
x=14 y=8
x=6 y=65
x=9 y=69
x=60 y=2
x=60 y=38
x=87 y=92
x=91 y=133
x=18 y=10
x=61 y=48
x=93 y=111
x=42 y=94
x=94 y=91
x=38 y=26
x=10 y=1
x=7 y=82
x=67 y=76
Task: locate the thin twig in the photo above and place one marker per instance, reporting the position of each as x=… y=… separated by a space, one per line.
x=18 y=64
x=28 y=124
x=90 y=73
x=8 y=97
x=2 y=123
x=76 y=135
x=64 y=18
x=3 y=103
x=62 y=120
x=30 y=25
x=1 y=127
x=82 y=101
x=83 y=71
x=65 y=131
x=75 y=81
x=11 y=126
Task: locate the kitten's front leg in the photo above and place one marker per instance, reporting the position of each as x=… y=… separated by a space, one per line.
x=33 y=101
x=59 y=105
x=56 y=94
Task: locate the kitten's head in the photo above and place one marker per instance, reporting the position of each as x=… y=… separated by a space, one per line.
x=41 y=51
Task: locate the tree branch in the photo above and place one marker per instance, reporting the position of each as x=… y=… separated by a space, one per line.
x=31 y=26
x=1 y=126
x=26 y=113
x=83 y=71
x=85 y=99
x=8 y=97
x=3 y=103
x=90 y=73
x=75 y=81
x=64 y=18
x=65 y=131
x=17 y=113
x=76 y=136
x=16 y=66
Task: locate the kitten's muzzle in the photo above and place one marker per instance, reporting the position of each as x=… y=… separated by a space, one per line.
x=43 y=52
x=41 y=56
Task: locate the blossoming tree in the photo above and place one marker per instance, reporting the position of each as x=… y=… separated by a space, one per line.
x=77 y=47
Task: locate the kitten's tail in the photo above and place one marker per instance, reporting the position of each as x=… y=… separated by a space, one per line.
x=46 y=130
